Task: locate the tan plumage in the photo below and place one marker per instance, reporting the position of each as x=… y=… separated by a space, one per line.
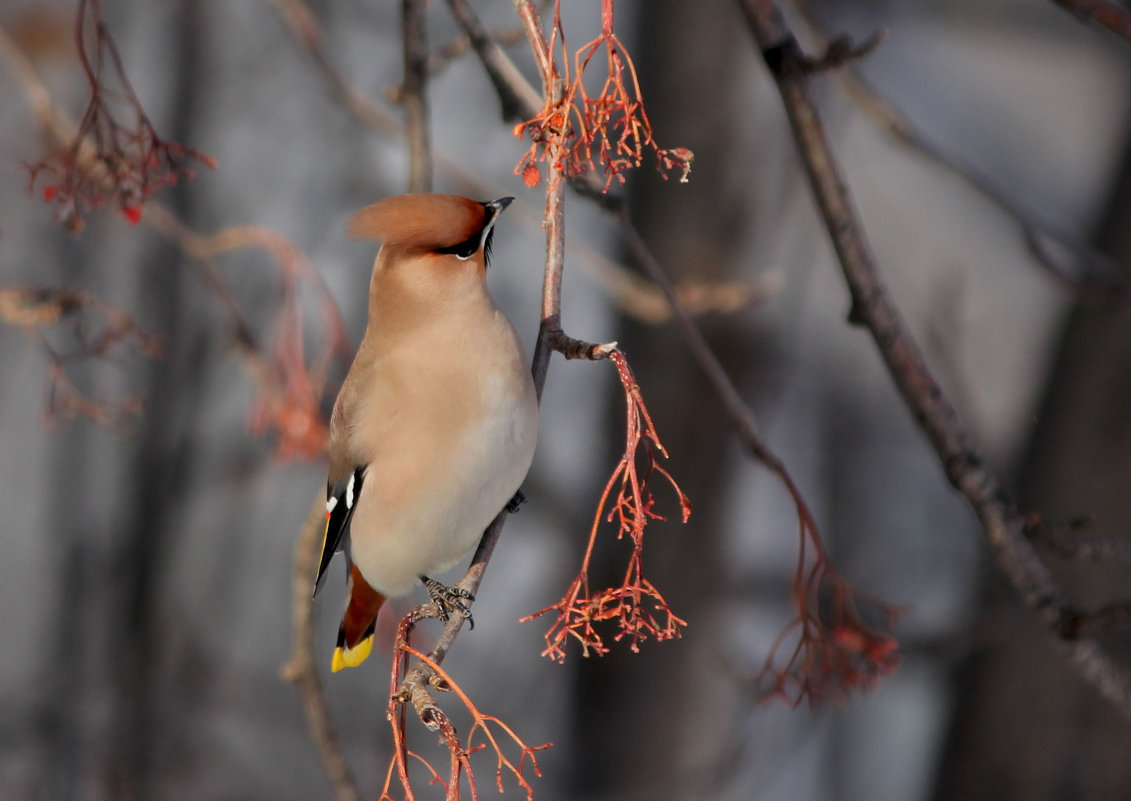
x=435 y=425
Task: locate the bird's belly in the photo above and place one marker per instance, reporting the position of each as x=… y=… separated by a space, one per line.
x=423 y=523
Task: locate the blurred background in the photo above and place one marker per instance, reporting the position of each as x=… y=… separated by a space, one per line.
x=145 y=568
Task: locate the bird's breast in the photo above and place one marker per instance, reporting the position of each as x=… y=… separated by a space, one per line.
x=451 y=426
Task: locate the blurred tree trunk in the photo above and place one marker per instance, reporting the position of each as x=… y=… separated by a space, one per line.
x=644 y=722
x=159 y=470
x=65 y=675
x=1026 y=726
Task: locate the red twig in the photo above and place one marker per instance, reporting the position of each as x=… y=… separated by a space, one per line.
x=636 y=606
x=578 y=131
x=835 y=651
x=403 y=690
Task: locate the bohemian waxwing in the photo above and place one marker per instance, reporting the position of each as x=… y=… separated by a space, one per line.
x=435 y=425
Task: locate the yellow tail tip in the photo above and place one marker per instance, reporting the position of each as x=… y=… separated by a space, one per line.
x=351 y=657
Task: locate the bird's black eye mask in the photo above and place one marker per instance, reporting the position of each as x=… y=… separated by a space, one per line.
x=481 y=238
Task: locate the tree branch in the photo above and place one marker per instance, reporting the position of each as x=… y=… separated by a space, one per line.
x=298 y=17
x=1104 y=13
x=815 y=646
x=414 y=95
x=873 y=308
x=1093 y=274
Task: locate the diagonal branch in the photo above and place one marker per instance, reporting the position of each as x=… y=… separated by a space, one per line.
x=299 y=18
x=1076 y=264
x=873 y=308
x=1104 y=13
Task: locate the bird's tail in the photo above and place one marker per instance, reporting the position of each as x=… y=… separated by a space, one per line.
x=355 y=635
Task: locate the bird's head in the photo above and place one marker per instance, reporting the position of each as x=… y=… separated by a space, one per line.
x=423 y=225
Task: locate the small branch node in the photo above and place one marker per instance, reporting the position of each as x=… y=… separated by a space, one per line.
x=786 y=59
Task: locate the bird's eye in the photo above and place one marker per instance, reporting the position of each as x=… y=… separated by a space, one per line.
x=465 y=249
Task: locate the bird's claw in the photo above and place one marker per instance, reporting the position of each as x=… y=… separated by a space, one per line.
x=449 y=600
x=514 y=503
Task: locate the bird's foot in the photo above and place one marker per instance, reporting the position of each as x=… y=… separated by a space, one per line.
x=449 y=600
x=518 y=500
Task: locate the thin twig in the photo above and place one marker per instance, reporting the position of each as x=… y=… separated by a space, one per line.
x=414 y=95
x=1067 y=540
x=872 y=307
x=539 y=46
x=290 y=389
x=1075 y=624
x=462 y=44
x=305 y=28
x=97 y=329
x=552 y=284
x=516 y=95
x=740 y=414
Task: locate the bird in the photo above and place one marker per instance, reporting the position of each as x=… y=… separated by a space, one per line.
x=436 y=423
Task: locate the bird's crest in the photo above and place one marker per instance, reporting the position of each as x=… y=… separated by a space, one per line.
x=426 y=221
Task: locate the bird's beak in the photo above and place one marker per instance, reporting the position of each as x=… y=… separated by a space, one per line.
x=494 y=209
x=498 y=206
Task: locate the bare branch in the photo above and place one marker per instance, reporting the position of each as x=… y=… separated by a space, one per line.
x=299 y=18
x=516 y=95
x=1075 y=263
x=1076 y=624
x=873 y=308
x=414 y=95
x=1068 y=541
x=1104 y=13
x=462 y=44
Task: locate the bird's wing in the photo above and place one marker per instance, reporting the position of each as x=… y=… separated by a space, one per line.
x=341 y=499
